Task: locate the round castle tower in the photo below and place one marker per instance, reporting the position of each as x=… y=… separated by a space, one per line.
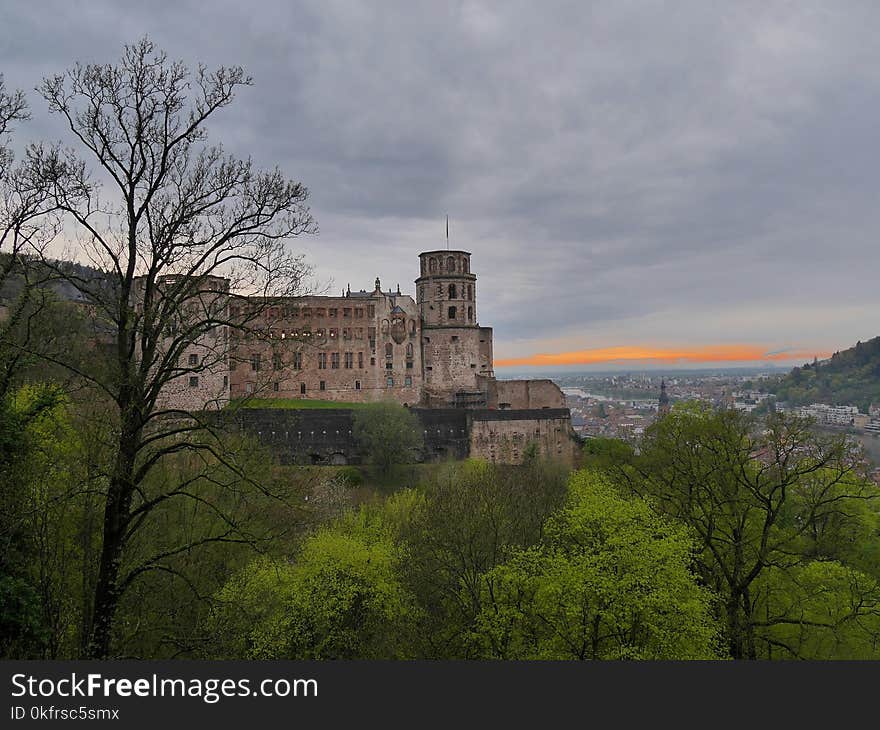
x=456 y=351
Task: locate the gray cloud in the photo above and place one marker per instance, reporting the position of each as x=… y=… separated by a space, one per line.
x=622 y=172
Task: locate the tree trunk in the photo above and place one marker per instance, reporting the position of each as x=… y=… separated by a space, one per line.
x=116 y=515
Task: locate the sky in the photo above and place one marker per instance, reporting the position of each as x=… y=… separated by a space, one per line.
x=639 y=183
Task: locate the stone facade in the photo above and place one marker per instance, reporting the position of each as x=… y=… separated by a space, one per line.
x=324 y=436
x=503 y=436
x=203 y=365
x=429 y=353
x=358 y=347
x=363 y=346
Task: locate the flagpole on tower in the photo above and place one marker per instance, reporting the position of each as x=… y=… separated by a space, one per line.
x=447 y=232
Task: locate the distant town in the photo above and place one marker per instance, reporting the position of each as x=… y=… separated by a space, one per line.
x=623 y=405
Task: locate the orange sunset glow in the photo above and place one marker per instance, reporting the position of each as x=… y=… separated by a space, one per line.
x=706 y=353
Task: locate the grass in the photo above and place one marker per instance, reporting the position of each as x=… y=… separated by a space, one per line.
x=292 y=403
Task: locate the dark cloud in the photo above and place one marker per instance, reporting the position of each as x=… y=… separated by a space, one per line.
x=688 y=172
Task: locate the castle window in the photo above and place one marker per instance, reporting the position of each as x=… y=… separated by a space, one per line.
x=306 y=312
x=389 y=349
x=432 y=265
x=346 y=312
x=334 y=361
x=360 y=360
x=225 y=381
x=349 y=360
x=322 y=361
x=302 y=388
x=358 y=313
x=470 y=314
x=464 y=266
x=275 y=386
x=276 y=361
x=407 y=381
x=412 y=328
x=255 y=362
x=357 y=384
x=371 y=310
x=409 y=351
x=334 y=332
x=322 y=385
x=297 y=361
x=332 y=312
x=372 y=361
x=320 y=312
x=427 y=339
x=452 y=312
x=470 y=293
x=450 y=264
x=193 y=359
x=455 y=338
x=453 y=292
x=320 y=332
x=194 y=382
x=389 y=382
x=389 y=365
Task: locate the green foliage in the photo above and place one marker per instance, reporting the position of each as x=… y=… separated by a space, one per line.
x=387 y=434
x=764 y=500
x=471 y=515
x=610 y=580
x=818 y=610
x=849 y=377
x=603 y=452
x=340 y=599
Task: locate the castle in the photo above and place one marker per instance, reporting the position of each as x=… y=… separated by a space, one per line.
x=430 y=354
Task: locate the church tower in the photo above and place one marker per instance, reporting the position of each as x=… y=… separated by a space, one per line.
x=456 y=351
x=663 y=403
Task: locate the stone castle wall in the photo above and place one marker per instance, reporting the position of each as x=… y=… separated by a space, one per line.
x=324 y=436
x=524 y=394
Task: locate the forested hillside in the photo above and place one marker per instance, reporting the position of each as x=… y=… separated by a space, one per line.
x=850 y=377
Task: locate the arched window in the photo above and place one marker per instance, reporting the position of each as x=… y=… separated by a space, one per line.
x=412 y=327
x=432 y=265
x=470 y=314
x=453 y=292
x=409 y=350
x=450 y=264
x=452 y=312
x=470 y=293
x=464 y=266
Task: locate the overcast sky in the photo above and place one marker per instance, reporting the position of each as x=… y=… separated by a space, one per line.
x=631 y=177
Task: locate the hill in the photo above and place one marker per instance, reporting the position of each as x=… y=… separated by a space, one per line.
x=848 y=377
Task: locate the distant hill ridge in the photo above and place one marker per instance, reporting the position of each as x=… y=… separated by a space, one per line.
x=848 y=377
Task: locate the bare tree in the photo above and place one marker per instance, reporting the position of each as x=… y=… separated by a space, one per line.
x=192 y=244
x=27 y=224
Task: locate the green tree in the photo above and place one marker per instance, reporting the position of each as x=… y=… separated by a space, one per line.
x=760 y=497
x=471 y=515
x=609 y=580
x=387 y=434
x=340 y=599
